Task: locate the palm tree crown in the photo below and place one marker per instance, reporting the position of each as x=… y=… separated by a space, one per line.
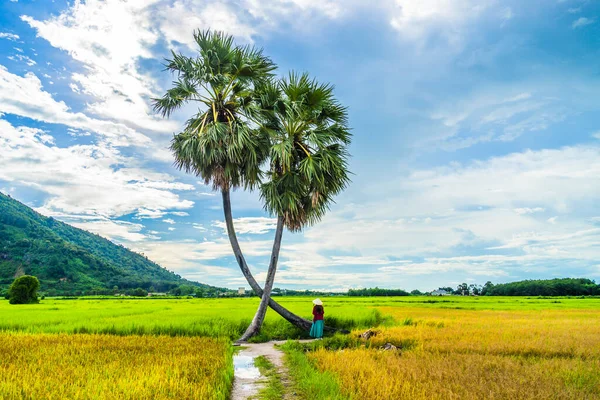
x=308 y=156
x=221 y=144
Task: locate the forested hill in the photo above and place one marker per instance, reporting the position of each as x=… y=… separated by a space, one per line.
x=70 y=260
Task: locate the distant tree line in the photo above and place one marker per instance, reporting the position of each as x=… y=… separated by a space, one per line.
x=377 y=292
x=540 y=287
x=549 y=287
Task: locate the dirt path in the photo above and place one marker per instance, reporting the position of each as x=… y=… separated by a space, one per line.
x=247 y=379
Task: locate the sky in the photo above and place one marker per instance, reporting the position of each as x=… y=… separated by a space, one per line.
x=476 y=135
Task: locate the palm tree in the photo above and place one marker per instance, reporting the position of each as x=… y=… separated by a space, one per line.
x=308 y=161
x=222 y=143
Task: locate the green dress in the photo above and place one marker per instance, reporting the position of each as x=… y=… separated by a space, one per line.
x=316 y=330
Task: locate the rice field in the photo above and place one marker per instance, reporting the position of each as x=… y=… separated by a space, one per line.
x=61 y=366
x=449 y=348
x=132 y=348
x=449 y=353
x=174 y=317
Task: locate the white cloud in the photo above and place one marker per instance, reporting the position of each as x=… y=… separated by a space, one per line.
x=171 y=229
x=39 y=104
x=495 y=114
x=596 y=135
x=22 y=58
x=112 y=38
x=9 y=36
x=528 y=210
x=200 y=227
x=253 y=225
x=416 y=19
x=169 y=221
x=246 y=19
x=82 y=179
x=77 y=133
x=181 y=19
x=144 y=213
x=278 y=13
x=555 y=244
x=109 y=38
x=188 y=255
x=154 y=214
x=118 y=231
x=581 y=22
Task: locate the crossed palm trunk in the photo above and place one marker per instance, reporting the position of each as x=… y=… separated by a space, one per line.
x=265 y=294
x=259 y=317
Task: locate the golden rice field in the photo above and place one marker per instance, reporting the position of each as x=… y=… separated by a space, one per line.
x=474 y=354
x=62 y=366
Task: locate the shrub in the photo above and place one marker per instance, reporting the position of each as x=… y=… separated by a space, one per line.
x=139 y=292
x=24 y=290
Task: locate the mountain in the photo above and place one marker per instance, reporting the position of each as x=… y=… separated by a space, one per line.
x=68 y=260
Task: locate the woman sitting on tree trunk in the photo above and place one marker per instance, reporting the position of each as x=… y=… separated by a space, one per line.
x=316 y=330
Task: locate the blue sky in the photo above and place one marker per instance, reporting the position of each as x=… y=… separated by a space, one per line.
x=476 y=150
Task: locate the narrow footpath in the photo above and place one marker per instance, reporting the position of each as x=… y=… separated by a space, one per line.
x=247 y=380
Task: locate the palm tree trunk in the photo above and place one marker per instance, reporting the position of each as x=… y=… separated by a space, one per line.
x=292 y=318
x=237 y=251
x=259 y=317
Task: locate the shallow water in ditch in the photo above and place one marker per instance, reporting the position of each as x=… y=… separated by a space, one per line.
x=244 y=367
x=246 y=377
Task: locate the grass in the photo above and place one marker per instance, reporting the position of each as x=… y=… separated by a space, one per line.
x=309 y=382
x=173 y=317
x=273 y=389
x=49 y=366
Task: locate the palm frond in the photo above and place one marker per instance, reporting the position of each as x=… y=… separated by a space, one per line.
x=309 y=140
x=225 y=143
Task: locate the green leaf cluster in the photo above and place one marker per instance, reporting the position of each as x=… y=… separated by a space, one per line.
x=220 y=143
x=287 y=137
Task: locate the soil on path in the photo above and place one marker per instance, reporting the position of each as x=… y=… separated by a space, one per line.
x=247 y=381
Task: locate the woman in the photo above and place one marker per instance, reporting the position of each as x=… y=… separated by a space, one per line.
x=316 y=329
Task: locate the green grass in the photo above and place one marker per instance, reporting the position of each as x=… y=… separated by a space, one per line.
x=175 y=317
x=309 y=383
x=273 y=389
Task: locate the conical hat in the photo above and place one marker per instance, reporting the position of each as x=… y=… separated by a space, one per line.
x=317 y=302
